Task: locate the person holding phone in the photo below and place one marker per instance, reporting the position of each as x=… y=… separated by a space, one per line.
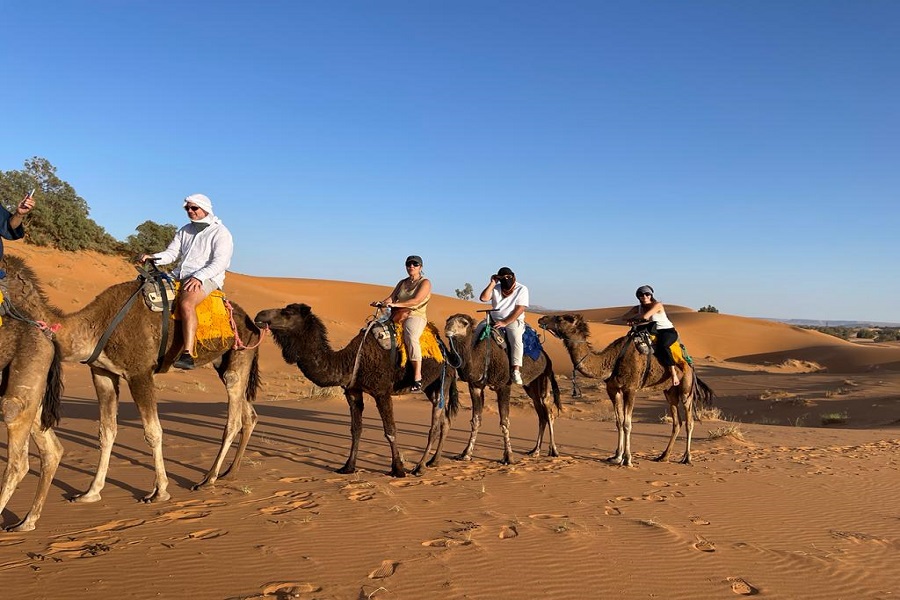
x=509 y=299
x=11 y=227
x=203 y=247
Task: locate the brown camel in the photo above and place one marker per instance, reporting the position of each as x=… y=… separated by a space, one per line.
x=484 y=364
x=30 y=387
x=131 y=353
x=363 y=366
x=625 y=371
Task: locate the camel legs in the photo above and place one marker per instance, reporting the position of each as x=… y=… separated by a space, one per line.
x=477 y=396
x=21 y=407
x=436 y=432
x=241 y=417
x=624 y=405
x=539 y=392
x=503 y=405
x=144 y=395
x=107 y=387
x=355 y=400
x=386 y=410
x=672 y=396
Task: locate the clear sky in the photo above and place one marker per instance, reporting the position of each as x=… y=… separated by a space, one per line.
x=739 y=154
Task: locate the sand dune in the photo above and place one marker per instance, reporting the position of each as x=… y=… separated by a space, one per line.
x=792 y=493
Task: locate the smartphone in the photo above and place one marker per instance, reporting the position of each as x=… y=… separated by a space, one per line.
x=31 y=193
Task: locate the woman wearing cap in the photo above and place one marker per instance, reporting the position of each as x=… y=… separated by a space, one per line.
x=407 y=303
x=651 y=309
x=205 y=247
x=509 y=299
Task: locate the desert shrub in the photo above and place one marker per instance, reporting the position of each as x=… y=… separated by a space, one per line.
x=835 y=418
x=888 y=334
x=467 y=293
x=866 y=334
x=150 y=238
x=709 y=308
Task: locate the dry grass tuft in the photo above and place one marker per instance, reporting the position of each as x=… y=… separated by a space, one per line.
x=730 y=429
x=835 y=418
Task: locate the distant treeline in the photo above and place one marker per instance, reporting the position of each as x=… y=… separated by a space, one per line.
x=60 y=216
x=878 y=334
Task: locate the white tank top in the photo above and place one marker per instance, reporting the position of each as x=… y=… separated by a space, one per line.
x=662 y=321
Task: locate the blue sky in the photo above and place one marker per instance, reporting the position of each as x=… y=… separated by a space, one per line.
x=739 y=154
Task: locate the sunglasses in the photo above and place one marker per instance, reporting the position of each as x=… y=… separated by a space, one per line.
x=413 y=263
x=192 y=208
x=642 y=294
x=507 y=277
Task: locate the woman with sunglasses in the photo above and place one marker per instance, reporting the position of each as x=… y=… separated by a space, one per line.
x=407 y=303
x=652 y=310
x=205 y=247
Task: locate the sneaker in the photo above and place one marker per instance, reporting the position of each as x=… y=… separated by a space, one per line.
x=416 y=386
x=517 y=377
x=185 y=361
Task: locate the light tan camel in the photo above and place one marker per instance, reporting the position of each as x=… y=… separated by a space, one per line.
x=30 y=386
x=625 y=371
x=484 y=364
x=131 y=354
x=363 y=366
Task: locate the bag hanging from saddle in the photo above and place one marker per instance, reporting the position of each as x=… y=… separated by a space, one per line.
x=153 y=292
x=399 y=314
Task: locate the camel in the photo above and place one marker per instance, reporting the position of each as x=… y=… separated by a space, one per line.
x=363 y=366
x=131 y=353
x=482 y=365
x=625 y=371
x=30 y=388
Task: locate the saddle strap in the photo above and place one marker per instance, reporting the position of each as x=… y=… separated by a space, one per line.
x=164 y=335
x=101 y=344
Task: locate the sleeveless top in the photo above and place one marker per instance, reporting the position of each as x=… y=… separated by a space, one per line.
x=662 y=321
x=404 y=295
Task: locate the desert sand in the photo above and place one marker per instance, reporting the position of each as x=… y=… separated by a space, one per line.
x=793 y=491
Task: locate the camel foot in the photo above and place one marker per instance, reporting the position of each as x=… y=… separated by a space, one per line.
x=398 y=472
x=661 y=458
x=25 y=524
x=686 y=461
x=419 y=470
x=208 y=482
x=534 y=452
x=554 y=453
x=85 y=498
x=346 y=469
x=508 y=460
x=466 y=457
x=156 y=496
x=434 y=462
x=615 y=460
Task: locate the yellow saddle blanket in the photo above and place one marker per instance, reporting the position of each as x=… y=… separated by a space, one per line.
x=214 y=328
x=677 y=353
x=428 y=341
x=1 y=303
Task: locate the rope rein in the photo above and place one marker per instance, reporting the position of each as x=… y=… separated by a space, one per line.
x=238 y=343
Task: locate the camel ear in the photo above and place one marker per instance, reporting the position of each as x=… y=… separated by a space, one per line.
x=569 y=318
x=305 y=310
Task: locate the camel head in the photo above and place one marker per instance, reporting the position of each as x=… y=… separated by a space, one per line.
x=289 y=318
x=459 y=325
x=569 y=326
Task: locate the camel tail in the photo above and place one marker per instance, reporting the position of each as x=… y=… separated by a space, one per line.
x=453 y=400
x=253 y=381
x=51 y=404
x=704 y=396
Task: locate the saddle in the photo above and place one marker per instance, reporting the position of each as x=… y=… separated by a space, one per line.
x=390 y=336
x=214 y=326
x=644 y=339
x=531 y=342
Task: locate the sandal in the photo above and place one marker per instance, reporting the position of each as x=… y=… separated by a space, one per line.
x=416 y=386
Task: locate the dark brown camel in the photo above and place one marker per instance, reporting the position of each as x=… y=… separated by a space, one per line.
x=131 y=353
x=483 y=364
x=30 y=387
x=624 y=370
x=363 y=366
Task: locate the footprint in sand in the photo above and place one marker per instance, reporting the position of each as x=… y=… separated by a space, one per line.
x=704 y=545
x=612 y=511
x=740 y=586
x=297 y=480
x=289 y=589
x=507 y=532
x=288 y=507
x=205 y=534
x=11 y=542
x=386 y=569
x=182 y=515
x=659 y=483
x=361 y=496
x=652 y=497
x=547 y=516
x=699 y=521
x=81 y=548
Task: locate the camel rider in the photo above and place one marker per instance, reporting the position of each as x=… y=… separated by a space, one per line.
x=11 y=227
x=408 y=302
x=651 y=309
x=204 y=247
x=509 y=299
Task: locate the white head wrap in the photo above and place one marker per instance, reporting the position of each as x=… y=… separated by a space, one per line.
x=201 y=201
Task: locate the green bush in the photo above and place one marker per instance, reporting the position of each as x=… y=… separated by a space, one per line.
x=709 y=308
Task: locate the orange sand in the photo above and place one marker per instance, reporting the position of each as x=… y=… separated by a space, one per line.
x=787 y=508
